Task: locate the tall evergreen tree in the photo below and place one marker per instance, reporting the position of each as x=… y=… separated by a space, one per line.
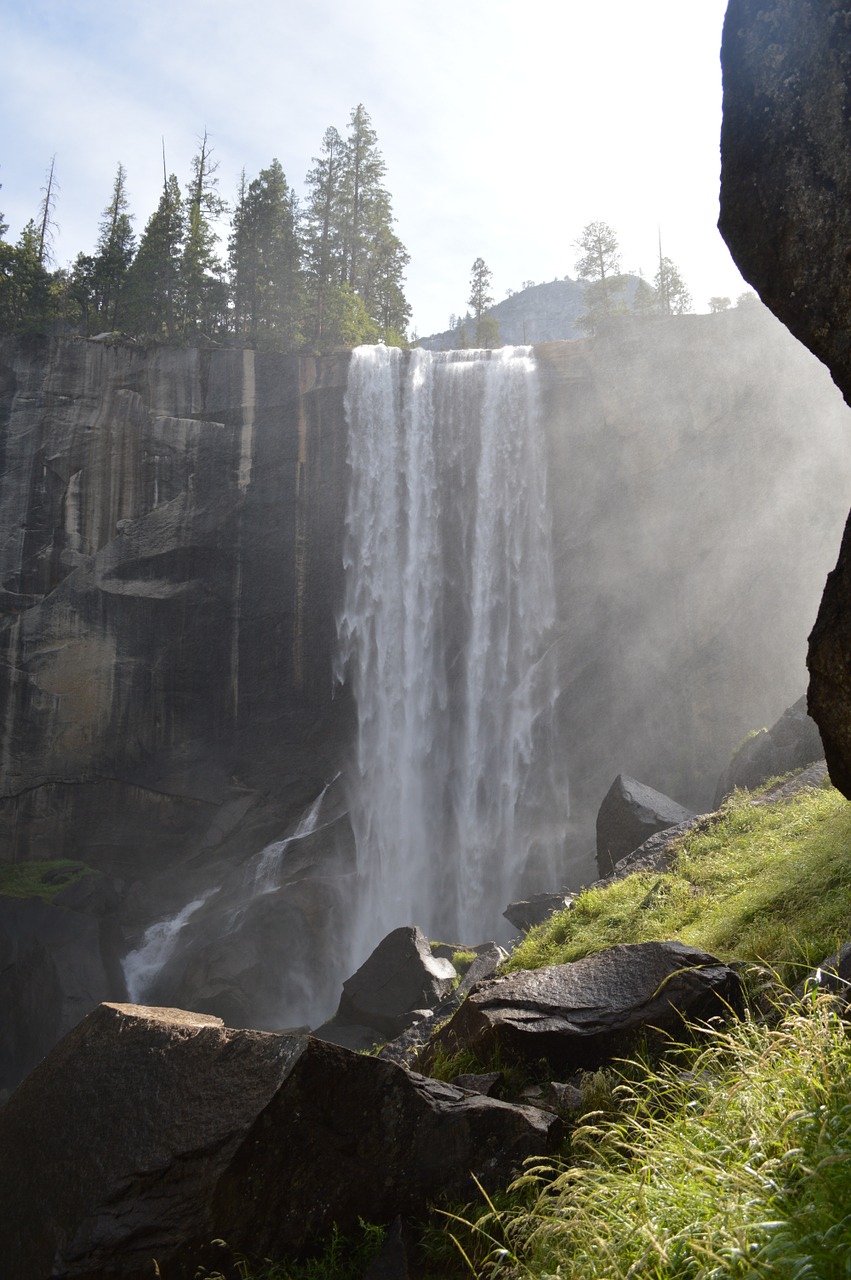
x=203 y=289
x=323 y=227
x=374 y=259
x=265 y=266
x=673 y=296
x=25 y=299
x=46 y=221
x=480 y=299
x=106 y=272
x=153 y=282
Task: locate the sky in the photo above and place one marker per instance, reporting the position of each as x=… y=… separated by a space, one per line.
x=506 y=127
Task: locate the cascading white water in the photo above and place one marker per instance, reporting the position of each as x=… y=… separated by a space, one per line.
x=443 y=634
x=265 y=872
x=142 y=965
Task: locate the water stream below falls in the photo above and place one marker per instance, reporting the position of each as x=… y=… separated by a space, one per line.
x=454 y=795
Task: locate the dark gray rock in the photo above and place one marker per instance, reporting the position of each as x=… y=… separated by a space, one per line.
x=488 y=1083
x=489 y=958
x=391 y=1262
x=400 y=975
x=147 y=1132
x=111 y=1148
x=350 y=1137
x=405 y=1047
x=786 y=216
x=792 y=743
x=56 y=965
x=583 y=1014
x=629 y=814
x=657 y=853
x=833 y=976
x=525 y=915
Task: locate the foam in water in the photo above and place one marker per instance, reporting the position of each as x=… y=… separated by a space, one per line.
x=443 y=634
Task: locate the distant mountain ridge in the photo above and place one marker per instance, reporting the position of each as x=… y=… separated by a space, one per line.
x=540 y=313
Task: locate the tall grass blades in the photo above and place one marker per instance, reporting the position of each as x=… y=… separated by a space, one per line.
x=730 y=1159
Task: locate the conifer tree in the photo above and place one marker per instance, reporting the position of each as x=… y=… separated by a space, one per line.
x=323 y=224
x=25 y=302
x=46 y=221
x=104 y=275
x=352 y=250
x=673 y=297
x=203 y=289
x=599 y=267
x=265 y=267
x=153 y=281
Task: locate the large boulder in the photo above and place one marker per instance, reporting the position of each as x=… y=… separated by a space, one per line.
x=583 y=1014
x=111 y=1148
x=631 y=812
x=792 y=743
x=786 y=216
x=147 y=1132
x=399 y=976
x=352 y=1137
x=526 y=914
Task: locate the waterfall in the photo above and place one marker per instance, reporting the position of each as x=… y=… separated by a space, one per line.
x=265 y=871
x=161 y=939
x=443 y=635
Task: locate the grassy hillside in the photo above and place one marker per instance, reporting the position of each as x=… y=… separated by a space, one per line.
x=730 y=1157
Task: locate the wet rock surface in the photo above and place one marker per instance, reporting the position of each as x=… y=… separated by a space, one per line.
x=581 y=1015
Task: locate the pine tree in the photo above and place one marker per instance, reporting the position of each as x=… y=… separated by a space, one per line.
x=323 y=222
x=599 y=267
x=25 y=302
x=487 y=327
x=204 y=294
x=265 y=268
x=153 y=281
x=46 y=221
x=673 y=297
x=366 y=204
x=105 y=273
x=352 y=248
x=480 y=282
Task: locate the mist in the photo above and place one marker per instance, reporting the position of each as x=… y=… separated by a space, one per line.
x=691 y=475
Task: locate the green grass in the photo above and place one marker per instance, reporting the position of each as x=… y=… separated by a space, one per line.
x=730 y=1159
x=726 y=1158
x=768 y=883
x=344 y=1257
x=39 y=879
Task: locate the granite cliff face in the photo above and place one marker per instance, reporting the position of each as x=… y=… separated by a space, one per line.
x=170 y=533
x=786 y=215
x=170 y=553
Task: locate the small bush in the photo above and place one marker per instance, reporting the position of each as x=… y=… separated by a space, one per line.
x=39 y=879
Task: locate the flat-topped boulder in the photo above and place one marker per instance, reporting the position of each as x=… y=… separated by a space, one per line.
x=147 y=1132
x=583 y=1014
